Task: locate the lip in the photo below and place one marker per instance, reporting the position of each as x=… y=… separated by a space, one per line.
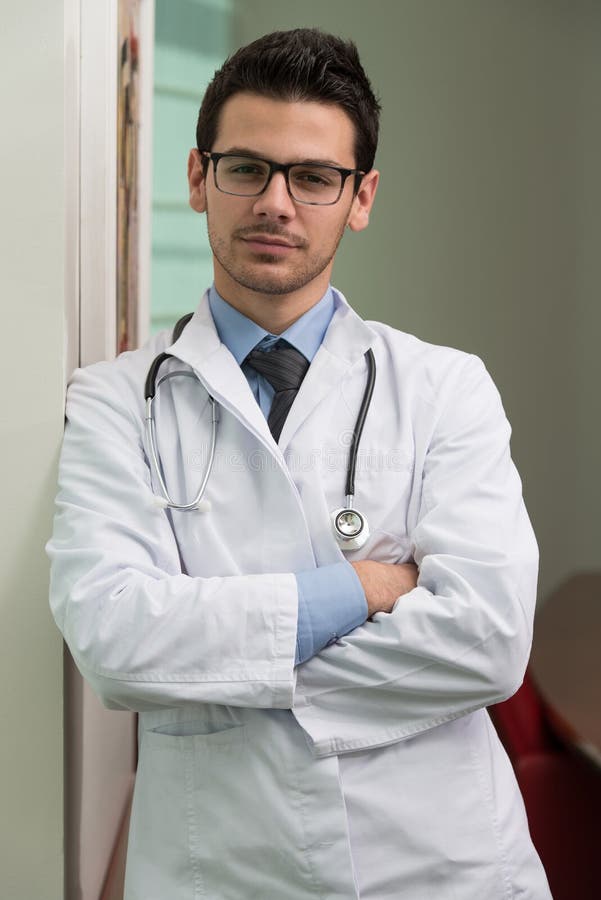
x=267 y=244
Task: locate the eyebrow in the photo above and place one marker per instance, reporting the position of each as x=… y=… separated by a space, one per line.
x=248 y=151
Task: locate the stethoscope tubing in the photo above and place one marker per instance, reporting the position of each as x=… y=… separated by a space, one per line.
x=151 y=387
x=151 y=433
x=358 y=429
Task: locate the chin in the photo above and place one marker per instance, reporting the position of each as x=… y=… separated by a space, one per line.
x=270 y=283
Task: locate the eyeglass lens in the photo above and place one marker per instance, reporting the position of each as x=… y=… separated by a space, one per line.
x=247 y=177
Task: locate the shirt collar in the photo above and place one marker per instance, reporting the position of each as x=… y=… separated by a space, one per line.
x=240 y=334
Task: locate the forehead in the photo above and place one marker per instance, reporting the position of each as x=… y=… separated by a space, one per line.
x=286 y=131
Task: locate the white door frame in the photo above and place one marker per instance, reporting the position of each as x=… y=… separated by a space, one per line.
x=100 y=745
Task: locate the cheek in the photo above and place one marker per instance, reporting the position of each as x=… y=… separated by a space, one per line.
x=218 y=220
x=331 y=230
x=229 y=213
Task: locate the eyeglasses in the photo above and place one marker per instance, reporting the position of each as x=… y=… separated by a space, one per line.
x=245 y=176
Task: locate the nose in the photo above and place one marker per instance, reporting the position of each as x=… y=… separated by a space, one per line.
x=275 y=202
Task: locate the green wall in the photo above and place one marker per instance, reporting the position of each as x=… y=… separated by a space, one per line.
x=192 y=38
x=486 y=229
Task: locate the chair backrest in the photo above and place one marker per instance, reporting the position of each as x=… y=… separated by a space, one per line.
x=562 y=795
x=522 y=724
x=561 y=791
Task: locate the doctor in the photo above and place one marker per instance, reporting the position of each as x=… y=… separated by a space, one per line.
x=312 y=717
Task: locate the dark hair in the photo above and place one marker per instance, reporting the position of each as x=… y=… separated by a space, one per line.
x=301 y=64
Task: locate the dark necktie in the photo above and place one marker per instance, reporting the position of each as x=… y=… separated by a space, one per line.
x=284 y=368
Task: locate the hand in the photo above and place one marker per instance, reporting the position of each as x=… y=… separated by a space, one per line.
x=384 y=583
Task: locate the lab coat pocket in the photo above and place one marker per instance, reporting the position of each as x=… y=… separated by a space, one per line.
x=163 y=858
x=204 y=732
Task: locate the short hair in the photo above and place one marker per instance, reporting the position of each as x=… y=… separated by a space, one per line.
x=300 y=64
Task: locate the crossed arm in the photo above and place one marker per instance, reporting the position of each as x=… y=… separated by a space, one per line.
x=146 y=635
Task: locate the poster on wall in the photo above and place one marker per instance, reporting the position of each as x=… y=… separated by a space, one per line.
x=128 y=124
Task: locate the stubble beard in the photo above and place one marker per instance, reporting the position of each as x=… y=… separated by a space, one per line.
x=266 y=281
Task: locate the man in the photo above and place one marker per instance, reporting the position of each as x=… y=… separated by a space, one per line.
x=313 y=715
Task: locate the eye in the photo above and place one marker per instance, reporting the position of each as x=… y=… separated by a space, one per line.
x=242 y=168
x=310 y=181
x=245 y=169
x=312 y=177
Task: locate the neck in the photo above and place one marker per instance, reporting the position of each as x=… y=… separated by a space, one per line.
x=273 y=312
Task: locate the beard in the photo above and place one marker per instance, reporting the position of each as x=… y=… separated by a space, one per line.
x=265 y=276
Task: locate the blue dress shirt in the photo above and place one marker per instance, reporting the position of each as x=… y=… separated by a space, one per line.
x=331 y=600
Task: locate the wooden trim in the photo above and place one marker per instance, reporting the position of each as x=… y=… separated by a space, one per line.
x=115 y=878
x=98 y=223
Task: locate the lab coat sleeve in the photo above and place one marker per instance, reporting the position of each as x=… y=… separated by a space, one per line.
x=141 y=632
x=461 y=639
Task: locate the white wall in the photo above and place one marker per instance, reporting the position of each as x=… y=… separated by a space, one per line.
x=486 y=230
x=31 y=418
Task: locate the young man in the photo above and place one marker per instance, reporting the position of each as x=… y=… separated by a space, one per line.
x=312 y=712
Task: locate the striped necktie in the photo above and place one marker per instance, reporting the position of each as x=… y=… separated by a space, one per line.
x=284 y=367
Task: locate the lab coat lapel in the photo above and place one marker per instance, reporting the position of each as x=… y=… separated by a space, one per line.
x=200 y=347
x=344 y=344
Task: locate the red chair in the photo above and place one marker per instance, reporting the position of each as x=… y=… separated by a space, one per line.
x=561 y=791
x=522 y=723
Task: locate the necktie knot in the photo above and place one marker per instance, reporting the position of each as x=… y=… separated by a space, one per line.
x=284 y=367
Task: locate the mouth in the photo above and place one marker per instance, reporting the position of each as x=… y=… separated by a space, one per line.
x=269 y=244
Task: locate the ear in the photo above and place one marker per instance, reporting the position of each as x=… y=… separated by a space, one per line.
x=358 y=218
x=196 y=182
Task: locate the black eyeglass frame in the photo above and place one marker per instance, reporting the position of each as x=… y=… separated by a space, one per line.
x=285 y=169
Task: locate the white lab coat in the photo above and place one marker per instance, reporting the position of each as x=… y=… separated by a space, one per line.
x=372 y=770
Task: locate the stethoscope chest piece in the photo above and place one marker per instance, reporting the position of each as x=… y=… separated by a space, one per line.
x=350 y=528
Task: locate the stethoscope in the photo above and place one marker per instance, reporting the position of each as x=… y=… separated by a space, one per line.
x=350 y=527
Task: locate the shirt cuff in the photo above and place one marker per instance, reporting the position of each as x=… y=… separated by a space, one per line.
x=331 y=602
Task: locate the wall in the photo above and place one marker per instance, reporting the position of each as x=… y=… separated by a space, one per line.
x=486 y=229
x=32 y=296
